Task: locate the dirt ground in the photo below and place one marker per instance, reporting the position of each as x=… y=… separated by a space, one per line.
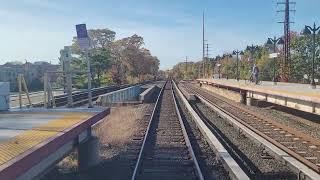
x=116 y=136
x=118 y=129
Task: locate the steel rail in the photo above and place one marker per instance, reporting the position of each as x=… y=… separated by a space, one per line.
x=96 y=92
x=303 y=137
x=229 y=163
x=186 y=137
x=138 y=163
x=184 y=132
x=247 y=167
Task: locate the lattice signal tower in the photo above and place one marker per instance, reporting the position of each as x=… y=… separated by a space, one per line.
x=286 y=62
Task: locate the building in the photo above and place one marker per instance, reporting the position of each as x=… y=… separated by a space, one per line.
x=33 y=73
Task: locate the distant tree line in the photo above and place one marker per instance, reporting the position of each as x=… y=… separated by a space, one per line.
x=300 y=65
x=113 y=61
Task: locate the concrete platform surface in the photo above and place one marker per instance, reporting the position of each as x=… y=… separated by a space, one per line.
x=23 y=130
x=36 y=97
x=291 y=90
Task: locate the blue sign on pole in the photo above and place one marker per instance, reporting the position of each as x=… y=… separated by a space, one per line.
x=82 y=36
x=81 y=31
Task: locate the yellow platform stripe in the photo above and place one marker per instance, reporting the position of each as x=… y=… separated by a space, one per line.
x=15 y=146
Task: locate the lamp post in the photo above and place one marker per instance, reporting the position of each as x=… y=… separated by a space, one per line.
x=219 y=69
x=213 y=62
x=227 y=55
x=237 y=52
x=252 y=49
x=312 y=31
x=218 y=58
x=274 y=42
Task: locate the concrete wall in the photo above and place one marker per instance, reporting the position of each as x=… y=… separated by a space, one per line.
x=301 y=105
x=127 y=94
x=146 y=96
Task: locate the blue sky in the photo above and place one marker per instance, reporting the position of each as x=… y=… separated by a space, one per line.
x=38 y=29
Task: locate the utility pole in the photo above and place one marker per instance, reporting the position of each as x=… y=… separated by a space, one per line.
x=203 y=60
x=89 y=80
x=286 y=64
x=199 y=70
x=207 y=59
x=186 y=74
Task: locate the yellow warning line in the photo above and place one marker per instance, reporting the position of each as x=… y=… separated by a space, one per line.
x=30 y=138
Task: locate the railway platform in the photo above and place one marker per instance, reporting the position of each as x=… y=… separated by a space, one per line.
x=297 y=96
x=33 y=140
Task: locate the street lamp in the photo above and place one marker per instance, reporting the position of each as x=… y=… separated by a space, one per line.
x=312 y=31
x=218 y=59
x=237 y=52
x=227 y=55
x=213 y=61
x=252 y=49
x=274 y=42
x=219 y=70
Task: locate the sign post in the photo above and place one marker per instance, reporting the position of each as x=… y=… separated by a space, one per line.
x=84 y=43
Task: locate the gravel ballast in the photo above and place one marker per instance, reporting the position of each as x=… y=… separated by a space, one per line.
x=263 y=165
x=211 y=168
x=306 y=123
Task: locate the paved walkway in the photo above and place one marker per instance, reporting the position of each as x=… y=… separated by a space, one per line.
x=21 y=131
x=291 y=90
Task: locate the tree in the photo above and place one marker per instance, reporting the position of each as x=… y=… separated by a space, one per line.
x=101 y=38
x=302 y=57
x=301 y=62
x=100 y=62
x=99 y=56
x=131 y=60
x=118 y=61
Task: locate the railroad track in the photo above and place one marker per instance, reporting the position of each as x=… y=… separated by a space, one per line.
x=300 y=146
x=166 y=151
x=81 y=97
